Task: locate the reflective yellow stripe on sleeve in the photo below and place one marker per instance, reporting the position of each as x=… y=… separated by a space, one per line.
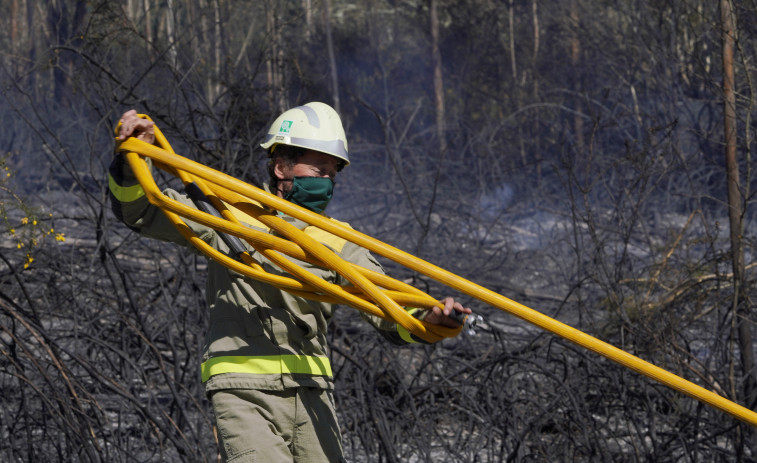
x=403 y=332
x=125 y=194
x=267 y=365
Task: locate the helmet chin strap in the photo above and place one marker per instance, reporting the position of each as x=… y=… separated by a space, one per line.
x=280 y=189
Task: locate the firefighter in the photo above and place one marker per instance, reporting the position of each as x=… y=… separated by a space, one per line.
x=265 y=364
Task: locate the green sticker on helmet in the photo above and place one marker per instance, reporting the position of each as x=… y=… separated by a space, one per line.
x=285 y=126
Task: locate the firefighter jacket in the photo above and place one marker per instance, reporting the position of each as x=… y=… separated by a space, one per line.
x=259 y=337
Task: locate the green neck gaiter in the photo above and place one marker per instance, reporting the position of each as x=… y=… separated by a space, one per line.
x=312 y=193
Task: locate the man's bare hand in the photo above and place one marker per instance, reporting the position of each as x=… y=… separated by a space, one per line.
x=437 y=316
x=134 y=126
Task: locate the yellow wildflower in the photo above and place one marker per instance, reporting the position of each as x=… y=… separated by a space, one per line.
x=60 y=237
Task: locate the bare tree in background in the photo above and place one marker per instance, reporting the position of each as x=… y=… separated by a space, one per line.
x=436 y=63
x=575 y=60
x=741 y=306
x=332 y=59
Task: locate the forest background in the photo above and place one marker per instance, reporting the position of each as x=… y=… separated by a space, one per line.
x=588 y=158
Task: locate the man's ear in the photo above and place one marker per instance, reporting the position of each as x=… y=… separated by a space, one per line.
x=279 y=168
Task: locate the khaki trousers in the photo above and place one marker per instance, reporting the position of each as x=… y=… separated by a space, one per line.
x=295 y=425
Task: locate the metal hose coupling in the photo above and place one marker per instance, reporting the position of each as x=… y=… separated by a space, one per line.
x=469 y=321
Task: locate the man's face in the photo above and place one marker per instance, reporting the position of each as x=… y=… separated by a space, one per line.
x=310 y=164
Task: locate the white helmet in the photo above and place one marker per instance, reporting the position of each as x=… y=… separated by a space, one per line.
x=314 y=126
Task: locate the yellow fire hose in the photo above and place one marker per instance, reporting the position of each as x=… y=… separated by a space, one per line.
x=371 y=292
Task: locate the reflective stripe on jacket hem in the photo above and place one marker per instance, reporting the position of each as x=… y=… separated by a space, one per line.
x=403 y=332
x=125 y=194
x=266 y=365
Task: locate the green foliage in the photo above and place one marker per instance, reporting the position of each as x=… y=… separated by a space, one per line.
x=23 y=226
